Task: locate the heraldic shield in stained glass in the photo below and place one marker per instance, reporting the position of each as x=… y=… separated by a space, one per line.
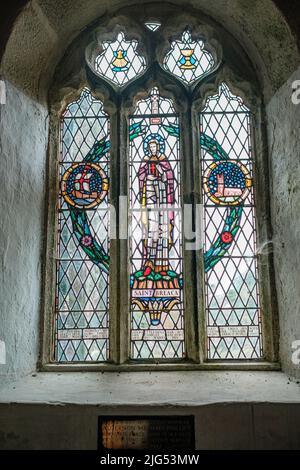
x=119 y=62
x=157 y=329
x=231 y=281
x=82 y=262
x=188 y=59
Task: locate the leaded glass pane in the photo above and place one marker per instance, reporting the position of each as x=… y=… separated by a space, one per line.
x=120 y=62
x=188 y=59
x=231 y=280
x=155 y=244
x=82 y=300
x=153 y=25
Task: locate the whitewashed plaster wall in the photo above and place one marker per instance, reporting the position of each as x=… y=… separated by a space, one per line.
x=283 y=121
x=39 y=39
x=23 y=145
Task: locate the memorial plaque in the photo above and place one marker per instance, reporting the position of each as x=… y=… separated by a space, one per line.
x=155 y=433
x=69 y=334
x=175 y=335
x=137 y=335
x=233 y=331
x=96 y=333
x=253 y=331
x=154 y=335
x=212 y=331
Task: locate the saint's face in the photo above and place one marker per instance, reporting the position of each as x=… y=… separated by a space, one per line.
x=153 y=148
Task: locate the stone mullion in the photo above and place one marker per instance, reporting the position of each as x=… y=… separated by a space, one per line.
x=187 y=152
x=124 y=292
x=265 y=262
x=199 y=253
x=114 y=243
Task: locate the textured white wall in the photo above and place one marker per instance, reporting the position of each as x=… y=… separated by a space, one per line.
x=284 y=146
x=23 y=133
x=31 y=56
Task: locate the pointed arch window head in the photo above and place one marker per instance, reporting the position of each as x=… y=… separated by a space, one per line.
x=83 y=122
x=188 y=59
x=225 y=101
x=225 y=115
x=154 y=104
x=120 y=62
x=85 y=106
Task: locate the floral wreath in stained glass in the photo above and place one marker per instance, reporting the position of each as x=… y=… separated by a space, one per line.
x=224 y=240
x=119 y=62
x=81 y=228
x=234 y=213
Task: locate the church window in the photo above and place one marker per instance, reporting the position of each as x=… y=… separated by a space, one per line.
x=147 y=126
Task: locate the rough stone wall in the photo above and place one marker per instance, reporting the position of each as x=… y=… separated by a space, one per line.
x=261 y=426
x=284 y=145
x=23 y=133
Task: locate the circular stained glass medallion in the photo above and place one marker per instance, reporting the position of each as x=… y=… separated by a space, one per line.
x=84 y=185
x=227 y=183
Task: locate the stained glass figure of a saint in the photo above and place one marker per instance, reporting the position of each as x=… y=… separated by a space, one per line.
x=156 y=180
x=155 y=244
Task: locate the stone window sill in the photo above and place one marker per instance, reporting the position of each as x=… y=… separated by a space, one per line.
x=156 y=388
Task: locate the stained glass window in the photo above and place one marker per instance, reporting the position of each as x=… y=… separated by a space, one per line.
x=231 y=279
x=157 y=330
x=153 y=25
x=188 y=59
x=119 y=62
x=165 y=292
x=82 y=263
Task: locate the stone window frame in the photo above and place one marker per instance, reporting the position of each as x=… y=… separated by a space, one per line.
x=72 y=75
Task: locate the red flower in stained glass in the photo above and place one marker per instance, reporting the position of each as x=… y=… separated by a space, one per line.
x=147 y=271
x=227 y=237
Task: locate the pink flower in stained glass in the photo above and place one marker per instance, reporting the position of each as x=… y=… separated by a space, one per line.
x=87 y=241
